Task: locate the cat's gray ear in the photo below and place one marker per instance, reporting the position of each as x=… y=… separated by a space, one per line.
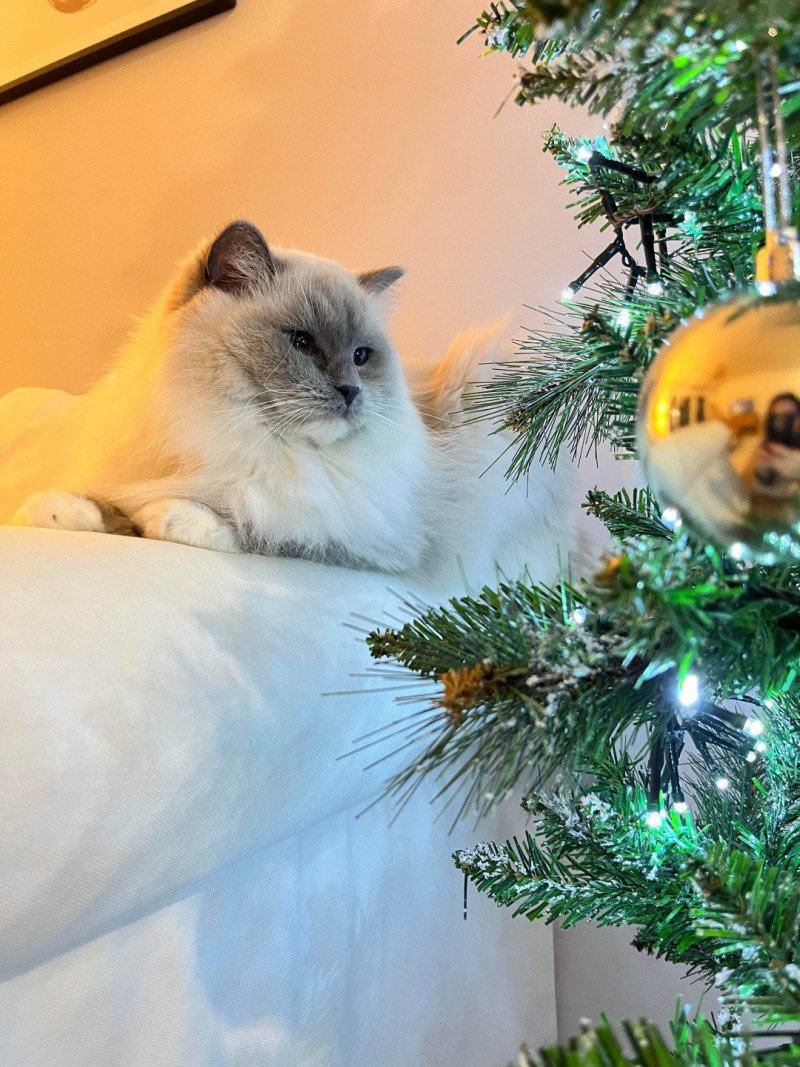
x=377 y=281
x=239 y=259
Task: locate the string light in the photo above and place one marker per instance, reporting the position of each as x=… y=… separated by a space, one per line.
x=722 y=783
x=654 y=818
x=680 y=806
x=754 y=727
x=568 y=294
x=671 y=518
x=579 y=616
x=738 y=550
x=584 y=154
x=689 y=691
x=655 y=287
x=624 y=318
x=751 y=756
x=760 y=746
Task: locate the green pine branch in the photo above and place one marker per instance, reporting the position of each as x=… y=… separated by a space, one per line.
x=628 y=515
x=529 y=679
x=677 y=70
x=594 y=858
x=751 y=912
x=695 y=1043
x=575 y=383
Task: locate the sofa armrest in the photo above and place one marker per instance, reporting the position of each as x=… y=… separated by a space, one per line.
x=162 y=717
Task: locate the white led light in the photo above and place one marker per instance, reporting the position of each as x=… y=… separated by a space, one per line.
x=689 y=691
x=671 y=518
x=760 y=746
x=738 y=550
x=654 y=819
x=775 y=170
x=584 y=154
x=681 y=807
x=579 y=616
x=568 y=294
x=754 y=727
x=722 y=782
x=767 y=288
x=751 y=756
x=769 y=703
x=624 y=319
x=740 y=46
x=655 y=287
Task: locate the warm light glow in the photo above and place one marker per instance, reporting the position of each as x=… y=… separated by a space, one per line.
x=69 y=7
x=671 y=518
x=689 y=691
x=660 y=417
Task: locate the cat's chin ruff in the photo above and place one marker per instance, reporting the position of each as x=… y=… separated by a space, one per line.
x=325 y=432
x=361 y=497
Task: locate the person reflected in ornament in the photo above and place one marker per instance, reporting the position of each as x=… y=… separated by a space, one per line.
x=776 y=463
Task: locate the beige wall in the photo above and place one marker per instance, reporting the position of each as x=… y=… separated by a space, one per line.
x=353 y=128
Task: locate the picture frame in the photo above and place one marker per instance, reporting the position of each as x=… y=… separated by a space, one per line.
x=129 y=23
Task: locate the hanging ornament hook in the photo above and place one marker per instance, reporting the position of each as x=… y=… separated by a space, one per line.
x=779 y=259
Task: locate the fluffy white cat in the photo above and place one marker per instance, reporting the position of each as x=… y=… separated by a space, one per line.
x=261 y=407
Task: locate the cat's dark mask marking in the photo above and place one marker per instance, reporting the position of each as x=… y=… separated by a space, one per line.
x=239 y=260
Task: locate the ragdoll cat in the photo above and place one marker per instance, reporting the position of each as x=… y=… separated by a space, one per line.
x=261 y=407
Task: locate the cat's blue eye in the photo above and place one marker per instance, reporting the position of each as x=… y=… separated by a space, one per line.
x=361 y=355
x=301 y=341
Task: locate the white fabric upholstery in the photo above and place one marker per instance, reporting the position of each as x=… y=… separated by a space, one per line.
x=183 y=881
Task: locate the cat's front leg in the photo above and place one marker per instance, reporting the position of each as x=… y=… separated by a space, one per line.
x=187 y=522
x=56 y=509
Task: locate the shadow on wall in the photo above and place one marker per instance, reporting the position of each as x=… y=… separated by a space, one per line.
x=357 y=918
x=599 y=972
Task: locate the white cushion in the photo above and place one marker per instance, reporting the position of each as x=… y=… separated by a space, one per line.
x=162 y=715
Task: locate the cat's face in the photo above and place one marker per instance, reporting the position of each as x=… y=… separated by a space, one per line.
x=297 y=340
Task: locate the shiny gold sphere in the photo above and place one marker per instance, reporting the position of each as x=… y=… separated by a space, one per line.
x=719 y=424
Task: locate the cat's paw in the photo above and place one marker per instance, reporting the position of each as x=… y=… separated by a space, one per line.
x=188 y=523
x=60 y=510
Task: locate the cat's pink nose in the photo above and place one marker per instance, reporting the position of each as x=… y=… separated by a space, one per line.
x=349 y=392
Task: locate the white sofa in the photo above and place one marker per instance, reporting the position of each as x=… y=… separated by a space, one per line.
x=184 y=881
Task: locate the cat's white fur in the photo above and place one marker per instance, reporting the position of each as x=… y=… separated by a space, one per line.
x=153 y=439
x=406 y=494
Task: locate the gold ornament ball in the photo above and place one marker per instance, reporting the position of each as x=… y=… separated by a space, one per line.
x=719 y=424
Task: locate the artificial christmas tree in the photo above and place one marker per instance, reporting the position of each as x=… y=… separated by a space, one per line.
x=650 y=714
